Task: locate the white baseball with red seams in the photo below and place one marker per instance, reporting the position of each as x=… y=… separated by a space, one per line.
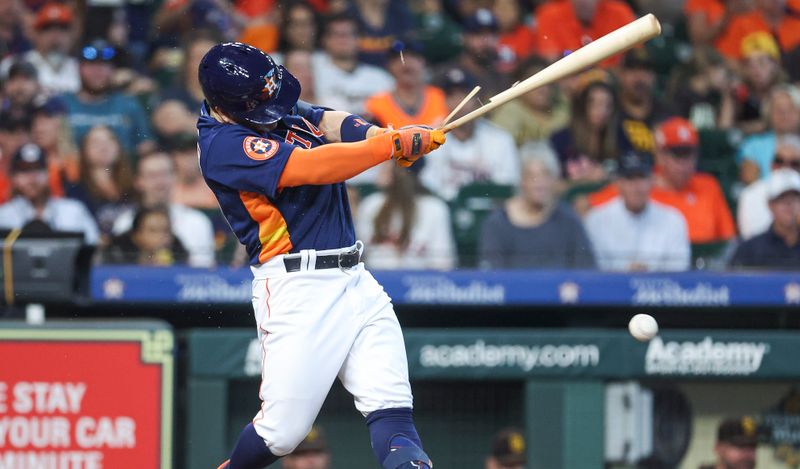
x=643 y=327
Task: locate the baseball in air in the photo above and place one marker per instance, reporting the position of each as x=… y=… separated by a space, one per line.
x=643 y=327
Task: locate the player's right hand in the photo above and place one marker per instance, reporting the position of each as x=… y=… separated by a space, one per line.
x=413 y=142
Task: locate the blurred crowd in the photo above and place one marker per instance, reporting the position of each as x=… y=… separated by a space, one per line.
x=680 y=154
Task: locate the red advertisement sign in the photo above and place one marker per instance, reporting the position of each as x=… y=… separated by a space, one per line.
x=85 y=399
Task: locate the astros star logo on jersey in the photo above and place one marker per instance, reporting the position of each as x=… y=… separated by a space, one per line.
x=259 y=149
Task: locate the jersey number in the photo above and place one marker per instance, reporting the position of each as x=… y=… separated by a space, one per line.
x=292 y=137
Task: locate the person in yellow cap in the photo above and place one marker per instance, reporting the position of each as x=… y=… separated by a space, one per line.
x=508 y=450
x=761 y=70
x=311 y=453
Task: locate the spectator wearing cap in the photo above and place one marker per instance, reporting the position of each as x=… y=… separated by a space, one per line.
x=508 y=451
x=32 y=199
x=170 y=120
x=761 y=71
x=782 y=110
x=640 y=109
x=677 y=183
x=517 y=40
x=98 y=104
x=190 y=188
x=480 y=54
x=105 y=185
x=477 y=152
x=779 y=246
x=49 y=130
x=381 y=22
x=154 y=182
x=537 y=114
x=737 y=440
x=594 y=135
x=311 y=453
x=563 y=26
x=14 y=133
x=341 y=81
x=405 y=226
x=753 y=215
x=632 y=232
x=769 y=16
x=53 y=40
x=533 y=229
x=706 y=20
x=19 y=90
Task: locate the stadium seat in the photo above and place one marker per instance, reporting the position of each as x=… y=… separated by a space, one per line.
x=718 y=157
x=709 y=255
x=468 y=210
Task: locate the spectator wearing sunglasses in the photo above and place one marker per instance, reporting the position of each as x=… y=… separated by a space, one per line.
x=754 y=216
x=53 y=40
x=98 y=104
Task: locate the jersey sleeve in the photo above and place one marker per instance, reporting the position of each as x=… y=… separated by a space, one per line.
x=311 y=112
x=246 y=162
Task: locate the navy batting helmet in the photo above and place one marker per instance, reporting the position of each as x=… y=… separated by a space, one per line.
x=246 y=84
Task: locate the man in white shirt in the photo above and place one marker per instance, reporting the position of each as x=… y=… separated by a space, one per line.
x=754 y=216
x=634 y=233
x=53 y=39
x=33 y=201
x=477 y=152
x=155 y=179
x=340 y=80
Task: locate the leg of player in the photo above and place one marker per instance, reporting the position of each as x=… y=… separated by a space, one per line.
x=395 y=441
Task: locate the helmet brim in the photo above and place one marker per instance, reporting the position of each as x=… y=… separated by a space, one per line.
x=276 y=109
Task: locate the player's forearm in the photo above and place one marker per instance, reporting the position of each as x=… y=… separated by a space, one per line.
x=331 y=125
x=336 y=162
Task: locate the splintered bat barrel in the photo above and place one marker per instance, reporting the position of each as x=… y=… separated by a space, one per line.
x=636 y=32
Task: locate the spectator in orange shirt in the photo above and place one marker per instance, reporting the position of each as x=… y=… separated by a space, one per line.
x=14 y=132
x=678 y=184
x=517 y=39
x=566 y=25
x=707 y=19
x=769 y=16
x=412 y=101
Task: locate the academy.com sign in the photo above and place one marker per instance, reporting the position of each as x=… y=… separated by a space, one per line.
x=706 y=357
x=525 y=357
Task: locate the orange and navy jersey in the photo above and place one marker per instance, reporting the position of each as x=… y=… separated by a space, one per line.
x=243 y=169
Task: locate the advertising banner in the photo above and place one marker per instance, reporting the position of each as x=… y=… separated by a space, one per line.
x=86 y=397
x=471 y=287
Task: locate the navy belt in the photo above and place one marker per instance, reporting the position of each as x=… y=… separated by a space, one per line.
x=344 y=260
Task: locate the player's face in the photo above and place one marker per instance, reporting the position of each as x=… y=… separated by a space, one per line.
x=31 y=185
x=341 y=40
x=313 y=460
x=635 y=192
x=786 y=210
x=784 y=116
x=736 y=457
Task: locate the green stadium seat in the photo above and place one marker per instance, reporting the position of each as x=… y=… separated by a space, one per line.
x=706 y=255
x=468 y=210
x=718 y=157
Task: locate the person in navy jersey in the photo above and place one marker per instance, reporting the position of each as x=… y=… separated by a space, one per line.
x=277 y=168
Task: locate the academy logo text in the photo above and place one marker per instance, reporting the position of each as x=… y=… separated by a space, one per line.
x=704 y=358
x=524 y=357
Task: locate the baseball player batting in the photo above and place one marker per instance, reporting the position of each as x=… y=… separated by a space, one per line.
x=277 y=167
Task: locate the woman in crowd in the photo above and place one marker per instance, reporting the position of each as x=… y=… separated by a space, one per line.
x=105 y=178
x=150 y=241
x=593 y=136
x=533 y=229
x=761 y=71
x=405 y=226
x=50 y=131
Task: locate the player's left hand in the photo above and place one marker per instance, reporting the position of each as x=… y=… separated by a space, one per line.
x=416 y=141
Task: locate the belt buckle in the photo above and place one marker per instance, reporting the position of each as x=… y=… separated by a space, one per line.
x=341 y=255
